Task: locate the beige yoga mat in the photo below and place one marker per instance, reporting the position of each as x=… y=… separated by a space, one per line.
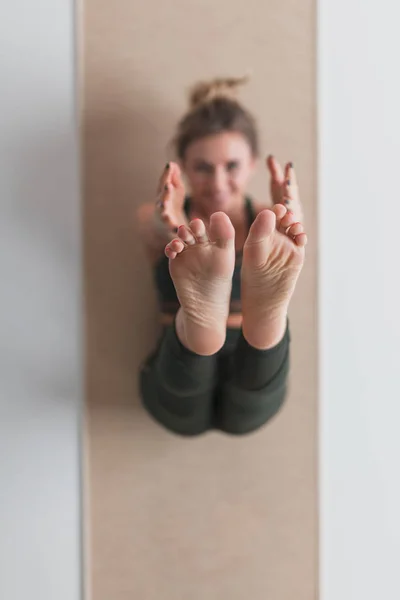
x=215 y=517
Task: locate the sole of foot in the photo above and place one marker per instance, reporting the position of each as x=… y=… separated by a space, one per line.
x=201 y=265
x=273 y=258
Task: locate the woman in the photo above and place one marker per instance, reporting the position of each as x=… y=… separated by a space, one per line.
x=225 y=269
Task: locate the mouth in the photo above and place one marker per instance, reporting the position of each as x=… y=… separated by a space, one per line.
x=219 y=198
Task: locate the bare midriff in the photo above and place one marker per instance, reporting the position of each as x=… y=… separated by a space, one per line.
x=234 y=320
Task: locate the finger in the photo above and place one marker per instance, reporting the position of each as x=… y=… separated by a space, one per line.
x=161 y=197
x=199 y=231
x=289 y=200
x=290 y=174
x=275 y=169
x=176 y=176
x=166 y=219
x=186 y=235
x=165 y=195
x=164 y=178
x=290 y=189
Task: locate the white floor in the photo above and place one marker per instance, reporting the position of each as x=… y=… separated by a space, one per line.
x=40 y=350
x=359 y=154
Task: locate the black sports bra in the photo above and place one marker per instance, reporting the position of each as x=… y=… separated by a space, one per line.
x=166 y=291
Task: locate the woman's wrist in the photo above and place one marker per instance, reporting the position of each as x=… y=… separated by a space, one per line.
x=162 y=227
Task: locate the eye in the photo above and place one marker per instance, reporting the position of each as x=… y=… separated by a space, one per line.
x=203 y=167
x=232 y=165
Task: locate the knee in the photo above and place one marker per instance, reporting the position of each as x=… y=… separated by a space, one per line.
x=240 y=417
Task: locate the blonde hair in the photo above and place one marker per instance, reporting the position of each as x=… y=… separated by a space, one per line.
x=214 y=108
x=207 y=91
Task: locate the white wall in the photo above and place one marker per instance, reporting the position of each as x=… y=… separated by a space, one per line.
x=359 y=153
x=40 y=282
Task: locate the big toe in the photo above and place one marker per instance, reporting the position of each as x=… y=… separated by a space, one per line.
x=258 y=242
x=262 y=227
x=222 y=232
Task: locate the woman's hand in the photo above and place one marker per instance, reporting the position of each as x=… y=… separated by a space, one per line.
x=171 y=198
x=284 y=188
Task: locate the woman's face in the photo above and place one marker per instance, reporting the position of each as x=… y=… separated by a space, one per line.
x=218 y=168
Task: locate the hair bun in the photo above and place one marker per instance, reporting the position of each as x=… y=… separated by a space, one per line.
x=205 y=92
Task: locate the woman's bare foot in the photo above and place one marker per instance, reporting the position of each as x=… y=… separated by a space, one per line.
x=171 y=197
x=201 y=268
x=284 y=188
x=273 y=257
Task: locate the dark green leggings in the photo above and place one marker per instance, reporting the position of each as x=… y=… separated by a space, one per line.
x=236 y=390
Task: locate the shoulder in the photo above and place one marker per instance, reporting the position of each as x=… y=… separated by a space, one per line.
x=147 y=231
x=145 y=219
x=145 y=212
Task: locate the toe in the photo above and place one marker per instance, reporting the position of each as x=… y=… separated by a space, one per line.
x=169 y=253
x=287 y=221
x=301 y=240
x=186 y=235
x=199 y=231
x=263 y=226
x=295 y=229
x=257 y=246
x=173 y=248
x=280 y=211
x=222 y=232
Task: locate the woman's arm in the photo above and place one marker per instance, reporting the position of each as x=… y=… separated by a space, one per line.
x=159 y=221
x=154 y=232
x=284 y=188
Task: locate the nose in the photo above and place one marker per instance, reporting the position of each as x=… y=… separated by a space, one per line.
x=219 y=181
